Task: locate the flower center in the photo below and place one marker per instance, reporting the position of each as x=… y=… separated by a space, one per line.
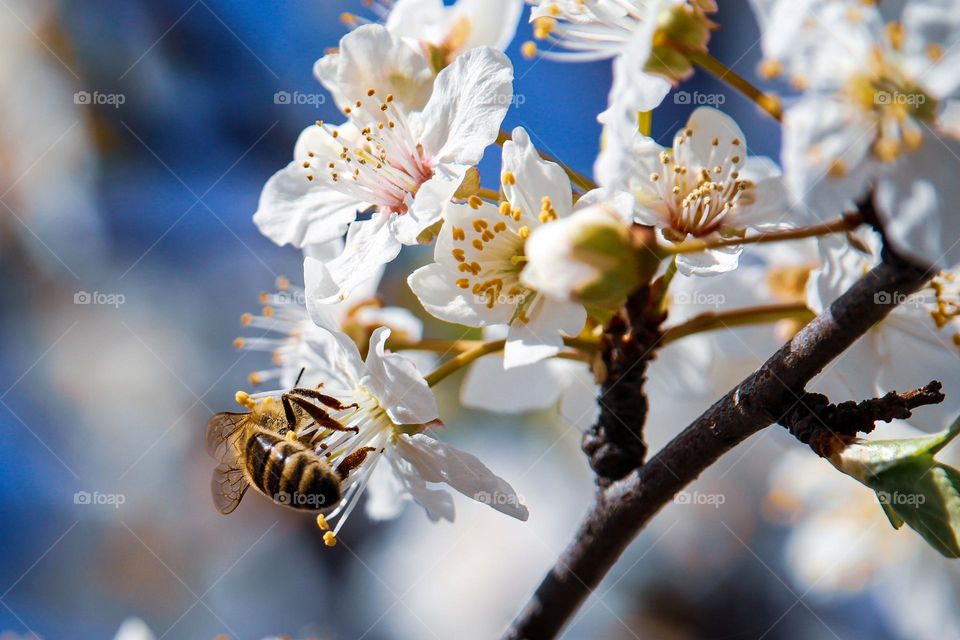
x=443 y=53
x=899 y=106
x=491 y=254
x=699 y=200
x=946 y=301
x=383 y=164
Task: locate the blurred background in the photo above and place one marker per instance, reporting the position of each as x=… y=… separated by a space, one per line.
x=135 y=137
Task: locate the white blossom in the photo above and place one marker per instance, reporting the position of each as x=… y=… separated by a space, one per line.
x=705 y=187
x=443 y=32
x=401 y=163
x=877 y=82
x=476 y=277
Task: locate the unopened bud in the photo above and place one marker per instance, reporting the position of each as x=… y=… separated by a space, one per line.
x=594 y=257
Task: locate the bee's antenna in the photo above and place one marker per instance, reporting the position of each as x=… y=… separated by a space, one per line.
x=297 y=383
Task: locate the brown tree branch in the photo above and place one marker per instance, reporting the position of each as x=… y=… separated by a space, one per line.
x=815 y=421
x=622 y=509
x=615 y=444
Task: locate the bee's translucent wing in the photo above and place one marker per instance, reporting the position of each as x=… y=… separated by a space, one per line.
x=227 y=487
x=228 y=483
x=222 y=431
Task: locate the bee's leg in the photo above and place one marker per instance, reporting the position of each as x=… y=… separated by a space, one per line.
x=320 y=416
x=353 y=461
x=288 y=414
x=329 y=401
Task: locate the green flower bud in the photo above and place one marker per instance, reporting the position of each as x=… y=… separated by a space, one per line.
x=594 y=257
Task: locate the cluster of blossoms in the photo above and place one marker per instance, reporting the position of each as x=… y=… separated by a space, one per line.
x=543 y=260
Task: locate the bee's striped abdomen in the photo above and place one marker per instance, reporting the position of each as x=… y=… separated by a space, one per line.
x=289 y=473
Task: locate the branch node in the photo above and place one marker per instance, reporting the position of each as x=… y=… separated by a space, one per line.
x=815 y=421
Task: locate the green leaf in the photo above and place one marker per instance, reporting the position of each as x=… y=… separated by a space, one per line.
x=911 y=486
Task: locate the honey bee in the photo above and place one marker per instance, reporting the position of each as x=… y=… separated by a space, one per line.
x=261 y=449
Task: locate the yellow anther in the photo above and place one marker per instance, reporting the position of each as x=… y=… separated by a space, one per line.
x=505 y=208
x=543 y=27
x=246 y=319
x=268 y=312
x=255 y=379
x=322 y=522
x=475 y=202
x=517 y=214
x=479 y=225
x=770 y=69
x=348 y=19
x=329 y=539
x=459 y=234
x=239 y=343
x=477 y=244
x=529 y=49
x=463 y=283
x=509 y=178
x=488 y=235
x=524 y=232
x=283 y=283
x=264 y=297
x=291 y=435
x=243 y=399
x=837 y=169
x=500 y=226
x=459 y=255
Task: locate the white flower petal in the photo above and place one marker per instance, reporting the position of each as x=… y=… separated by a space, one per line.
x=370 y=245
x=294 y=211
x=708 y=124
x=709 y=263
x=529 y=342
x=469 y=101
x=435 y=287
x=436 y=502
x=436 y=461
x=371 y=57
x=490 y=387
x=917 y=203
x=820 y=133
x=535 y=177
x=397 y=384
